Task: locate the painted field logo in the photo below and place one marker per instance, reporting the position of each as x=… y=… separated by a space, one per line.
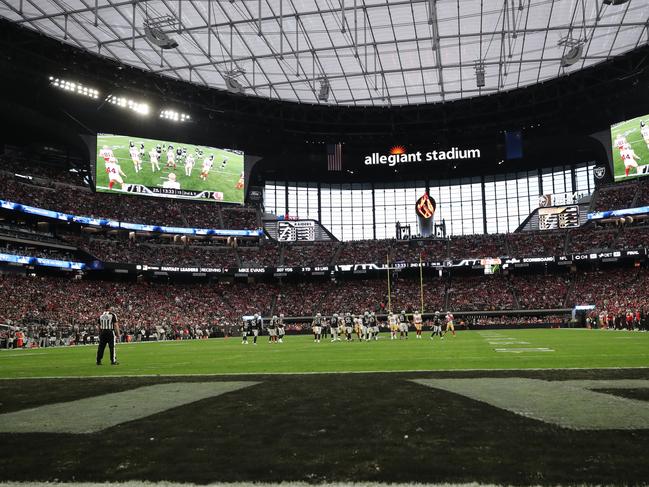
x=572 y=404
x=398 y=155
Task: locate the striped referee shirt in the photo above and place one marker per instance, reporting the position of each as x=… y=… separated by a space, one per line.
x=107 y=320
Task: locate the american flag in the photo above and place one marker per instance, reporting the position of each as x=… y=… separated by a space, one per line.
x=335 y=157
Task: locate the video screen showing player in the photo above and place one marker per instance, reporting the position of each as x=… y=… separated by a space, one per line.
x=168 y=169
x=630 y=147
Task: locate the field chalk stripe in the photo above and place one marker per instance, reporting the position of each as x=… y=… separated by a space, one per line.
x=570 y=404
x=136 y=483
x=100 y=412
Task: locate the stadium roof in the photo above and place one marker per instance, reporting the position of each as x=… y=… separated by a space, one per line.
x=370 y=52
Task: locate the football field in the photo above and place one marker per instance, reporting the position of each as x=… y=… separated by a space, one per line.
x=515 y=407
x=631 y=130
x=223 y=180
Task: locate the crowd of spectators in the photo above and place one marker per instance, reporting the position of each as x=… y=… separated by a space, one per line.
x=488 y=293
x=265 y=255
x=127 y=251
x=126 y=208
x=590 y=239
x=615 y=197
x=477 y=246
x=529 y=244
x=615 y=290
x=365 y=251
x=308 y=254
x=27 y=250
x=632 y=238
x=540 y=291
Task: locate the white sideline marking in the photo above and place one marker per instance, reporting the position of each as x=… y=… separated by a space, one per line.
x=136 y=483
x=271 y=374
x=523 y=350
x=569 y=404
x=97 y=413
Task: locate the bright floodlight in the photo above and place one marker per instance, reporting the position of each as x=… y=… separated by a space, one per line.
x=73 y=87
x=174 y=116
x=137 y=107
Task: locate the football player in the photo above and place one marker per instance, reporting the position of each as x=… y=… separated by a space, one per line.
x=135 y=156
x=418 y=322
x=106 y=154
x=114 y=172
x=393 y=324
x=358 y=326
x=189 y=164
x=280 y=328
x=208 y=162
x=644 y=130
x=630 y=158
x=256 y=324
x=449 y=323
x=334 y=323
x=375 y=325
x=171 y=157
x=142 y=151
x=349 y=326
x=437 y=326
x=223 y=163
x=272 y=329
x=154 y=157
x=403 y=325
x=317 y=327
x=245 y=329
x=240 y=182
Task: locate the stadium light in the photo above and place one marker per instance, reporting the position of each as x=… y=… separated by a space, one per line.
x=137 y=107
x=73 y=87
x=174 y=115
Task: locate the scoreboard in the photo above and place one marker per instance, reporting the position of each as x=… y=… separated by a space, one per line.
x=559 y=217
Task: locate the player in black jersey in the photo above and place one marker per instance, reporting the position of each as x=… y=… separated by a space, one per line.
x=437 y=326
x=256 y=325
x=334 y=323
x=245 y=330
x=272 y=329
x=317 y=328
x=281 y=331
x=403 y=325
x=349 y=326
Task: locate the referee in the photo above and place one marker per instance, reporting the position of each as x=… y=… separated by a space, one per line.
x=109 y=330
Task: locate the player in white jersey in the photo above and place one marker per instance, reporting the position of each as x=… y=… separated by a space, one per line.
x=171 y=182
x=155 y=161
x=208 y=162
x=630 y=158
x=394 y=325
x=644 y=130
x=449 y=323
x=189 y=164
x=135 y=157
x=418 y=322
x=171 y=157
x=620 y=142
x=114 y=172
x=105 y=153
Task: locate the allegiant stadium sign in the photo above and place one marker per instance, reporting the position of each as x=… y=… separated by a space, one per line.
x=398 y=155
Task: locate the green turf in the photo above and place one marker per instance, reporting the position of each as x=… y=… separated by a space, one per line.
x=631 y=130
x=224 y=181
x=469 y=350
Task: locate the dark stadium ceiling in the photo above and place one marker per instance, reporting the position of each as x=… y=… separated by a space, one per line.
x=366 y=52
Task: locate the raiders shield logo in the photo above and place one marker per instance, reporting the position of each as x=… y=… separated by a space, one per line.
x=599 y=172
